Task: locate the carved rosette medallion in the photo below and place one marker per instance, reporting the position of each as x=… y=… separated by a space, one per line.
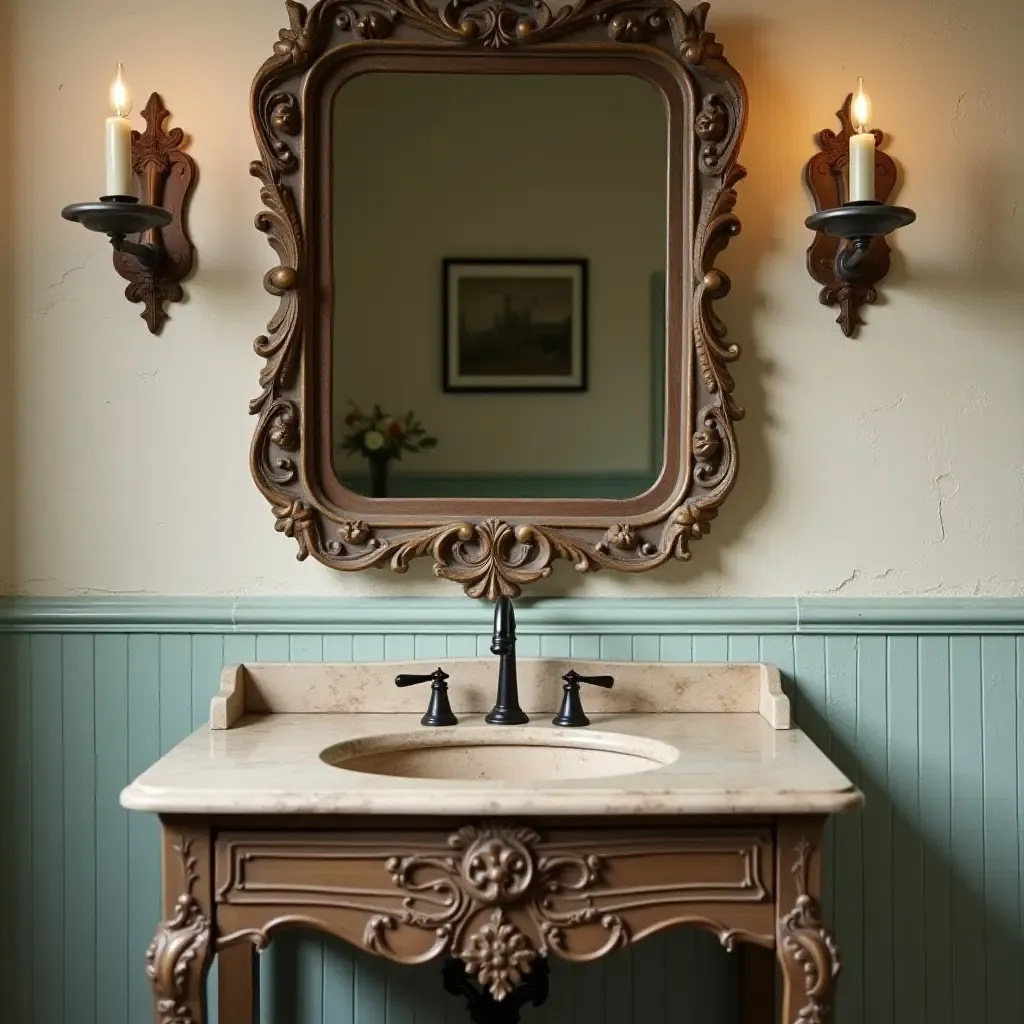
x=497 y=867
x=806 y=941
x=499 y=954
x=177 y=943
x=492 y=555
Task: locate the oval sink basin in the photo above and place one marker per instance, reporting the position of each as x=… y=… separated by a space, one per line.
x=500 y=754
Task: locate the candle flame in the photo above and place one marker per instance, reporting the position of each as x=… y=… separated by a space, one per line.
x=860 y=109
x=120 y=97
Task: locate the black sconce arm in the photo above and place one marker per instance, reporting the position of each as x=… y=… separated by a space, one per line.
x=148 y=256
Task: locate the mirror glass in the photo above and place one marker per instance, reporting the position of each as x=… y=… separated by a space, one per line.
x=499 y=299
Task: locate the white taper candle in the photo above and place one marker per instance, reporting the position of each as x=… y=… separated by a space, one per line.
x=862 y=148
x=862 y=167
x=118 y=137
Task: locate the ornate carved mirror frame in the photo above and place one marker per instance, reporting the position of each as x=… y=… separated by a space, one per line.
x=494 y=546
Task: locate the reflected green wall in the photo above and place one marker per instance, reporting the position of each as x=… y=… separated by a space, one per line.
x=920 y=702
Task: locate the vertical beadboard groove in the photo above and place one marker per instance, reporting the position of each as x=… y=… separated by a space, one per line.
x=907 y=853
x=968 y=829
x=113 y=957
x=999 y=775
x=935 y=824
x=1020 y=801
x=925 y=886
x=24 y=862
x=79 y=825
x=872 y=730
x=47 y=826
x=847 y=839
x=143 y=834
x=8 y=787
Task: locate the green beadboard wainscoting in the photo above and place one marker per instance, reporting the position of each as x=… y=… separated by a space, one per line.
x=920 y=702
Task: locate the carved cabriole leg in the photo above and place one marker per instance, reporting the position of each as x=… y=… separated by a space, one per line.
x=238 y=985
x=179 y=955
x=806 y=950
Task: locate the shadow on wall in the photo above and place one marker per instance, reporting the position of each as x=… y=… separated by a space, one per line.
x=984 y=261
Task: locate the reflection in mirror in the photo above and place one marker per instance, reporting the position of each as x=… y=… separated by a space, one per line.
x=499 y=260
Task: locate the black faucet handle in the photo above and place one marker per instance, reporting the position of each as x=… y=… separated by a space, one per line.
x=439 y=710
x=570 y=714
x=573 y=678
x=437 y=676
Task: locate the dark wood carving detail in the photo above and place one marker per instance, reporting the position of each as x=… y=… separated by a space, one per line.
x=826 y=177
x=179 y=944
x=498 y=552
x=495 y=896
x=494 y=24
x=164 y=176
x=805 y=942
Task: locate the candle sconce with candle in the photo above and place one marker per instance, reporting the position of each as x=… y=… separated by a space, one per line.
x=851 y=180
x=149 y=184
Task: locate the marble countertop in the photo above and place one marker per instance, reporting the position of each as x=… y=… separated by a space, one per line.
x=721 y=763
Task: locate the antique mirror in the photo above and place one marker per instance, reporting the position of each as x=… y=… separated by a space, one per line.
x=497 y=225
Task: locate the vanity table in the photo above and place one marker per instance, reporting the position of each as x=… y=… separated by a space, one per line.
x=316 y=798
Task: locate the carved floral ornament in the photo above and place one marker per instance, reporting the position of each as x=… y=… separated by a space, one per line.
x=495 y=867
x=497 y=553
x=499 y=897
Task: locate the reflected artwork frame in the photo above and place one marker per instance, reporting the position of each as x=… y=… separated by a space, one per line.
x=514 y=325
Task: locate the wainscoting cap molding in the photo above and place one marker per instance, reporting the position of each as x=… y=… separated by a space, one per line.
x=945 y=615
x=554 y=616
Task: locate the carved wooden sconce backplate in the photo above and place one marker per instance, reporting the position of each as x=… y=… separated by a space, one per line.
x=492 y=547
x=826 y=176
x=163 y=176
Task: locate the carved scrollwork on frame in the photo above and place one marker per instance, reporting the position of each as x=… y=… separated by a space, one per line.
x=496 y=896
x=513 y=543
x=178 y=942
x=806 y=941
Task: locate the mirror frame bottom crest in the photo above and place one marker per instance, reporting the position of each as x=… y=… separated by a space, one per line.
x=492 y=547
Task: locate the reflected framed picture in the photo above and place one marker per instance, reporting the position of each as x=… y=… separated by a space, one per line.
x=515 y=325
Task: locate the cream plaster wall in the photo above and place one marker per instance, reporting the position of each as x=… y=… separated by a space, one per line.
x=490 y=182
x=887 y=465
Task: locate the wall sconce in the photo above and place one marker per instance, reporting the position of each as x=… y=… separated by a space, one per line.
x=152 y=249
x=849 y=254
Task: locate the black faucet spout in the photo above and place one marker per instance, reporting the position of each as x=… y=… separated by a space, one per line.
x=506 y=710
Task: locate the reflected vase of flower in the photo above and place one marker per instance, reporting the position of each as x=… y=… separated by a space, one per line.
x=379 y=437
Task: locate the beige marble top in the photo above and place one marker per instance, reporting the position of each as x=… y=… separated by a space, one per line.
x=270 y=764
x=719 y=740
